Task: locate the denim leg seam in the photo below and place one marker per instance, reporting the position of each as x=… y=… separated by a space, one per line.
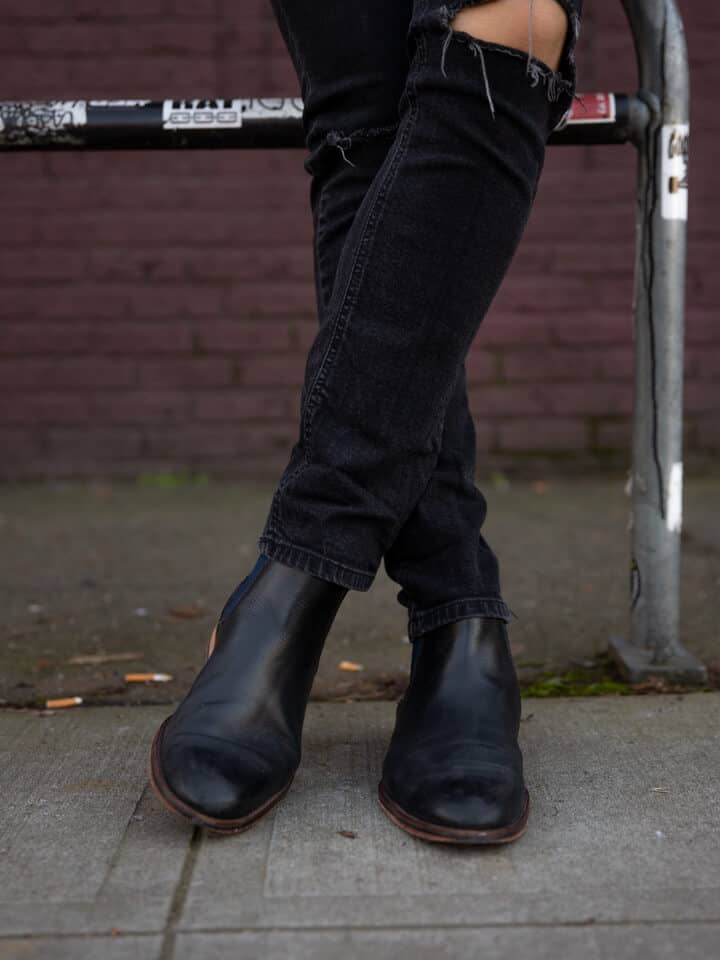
x=315 y=391
x=317 y=240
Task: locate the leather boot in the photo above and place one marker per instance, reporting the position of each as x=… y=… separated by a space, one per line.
x=231 y=749
x=453 y=771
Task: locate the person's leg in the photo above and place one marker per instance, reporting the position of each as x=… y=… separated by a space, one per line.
x=348 y=134
x=453 y=771
x=348 y=137
x=444 y=531
x=421 y=262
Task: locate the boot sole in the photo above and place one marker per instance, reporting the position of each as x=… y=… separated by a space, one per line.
x=437 y=833
x=196 y=817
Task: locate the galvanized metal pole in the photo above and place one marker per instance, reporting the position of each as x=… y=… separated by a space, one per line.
x=654 y=647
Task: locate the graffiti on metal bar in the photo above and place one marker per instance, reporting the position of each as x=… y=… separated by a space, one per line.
x=26 y=123
x=221 y=114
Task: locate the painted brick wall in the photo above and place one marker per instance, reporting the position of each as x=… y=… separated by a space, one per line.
x=156 y=309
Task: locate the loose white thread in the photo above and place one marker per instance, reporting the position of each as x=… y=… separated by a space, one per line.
x=487 y=82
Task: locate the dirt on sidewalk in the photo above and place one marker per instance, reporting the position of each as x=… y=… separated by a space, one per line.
x=104 y=579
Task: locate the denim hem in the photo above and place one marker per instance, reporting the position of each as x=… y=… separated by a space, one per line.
x=316 y=564
x=422 y=621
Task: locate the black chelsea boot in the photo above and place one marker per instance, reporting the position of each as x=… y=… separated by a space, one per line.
x=231 y=749
x=453 y=772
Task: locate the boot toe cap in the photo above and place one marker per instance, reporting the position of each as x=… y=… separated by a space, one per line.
x=487 y=796
x=220 y=780
x=488 y=799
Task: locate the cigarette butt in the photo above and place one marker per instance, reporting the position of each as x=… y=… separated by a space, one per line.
x=147 y=677
x=62 y=703
x=350 y=665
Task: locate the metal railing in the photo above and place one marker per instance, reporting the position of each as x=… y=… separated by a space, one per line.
x=656 y=121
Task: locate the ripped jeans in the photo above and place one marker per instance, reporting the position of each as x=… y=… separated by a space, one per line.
x=425 y=147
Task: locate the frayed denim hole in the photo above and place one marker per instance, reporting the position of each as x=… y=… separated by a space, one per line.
x=559 y=83
x=243 y=587
x=449 y=11
x=345 y=141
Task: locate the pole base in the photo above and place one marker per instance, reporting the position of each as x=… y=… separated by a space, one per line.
x=636 y=664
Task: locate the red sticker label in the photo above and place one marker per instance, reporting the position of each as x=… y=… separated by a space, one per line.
x=593 y=108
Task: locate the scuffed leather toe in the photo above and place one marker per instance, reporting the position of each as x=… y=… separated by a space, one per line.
x=478 y=800
x=463 y=784
x=225 y=781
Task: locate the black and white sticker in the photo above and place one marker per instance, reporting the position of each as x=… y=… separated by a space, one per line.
x=43 y=118
x=223 y=114
x=674 y=170
x=118 y=103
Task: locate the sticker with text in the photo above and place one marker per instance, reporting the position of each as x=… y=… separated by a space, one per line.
x=224 y=114
x=675 y=148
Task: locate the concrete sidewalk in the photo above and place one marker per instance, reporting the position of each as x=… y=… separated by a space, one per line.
x=140 y=572
x=621 y=858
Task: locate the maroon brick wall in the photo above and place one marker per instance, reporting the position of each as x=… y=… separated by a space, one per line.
x=156 y=309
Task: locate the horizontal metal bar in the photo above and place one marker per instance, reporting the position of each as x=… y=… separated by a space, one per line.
x=229 y=124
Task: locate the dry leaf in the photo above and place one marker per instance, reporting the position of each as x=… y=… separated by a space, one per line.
x=186 y=613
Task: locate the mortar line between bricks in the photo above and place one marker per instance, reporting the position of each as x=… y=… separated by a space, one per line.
x=167 y=950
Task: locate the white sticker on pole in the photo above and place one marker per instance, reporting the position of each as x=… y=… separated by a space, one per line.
x=674 y=170
x=223 y=114
x=202 y=114
x=674 y=498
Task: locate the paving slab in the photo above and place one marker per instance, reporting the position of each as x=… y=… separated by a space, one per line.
x=82 y=948
x=629 y=942
x=84 y=848
x=621 y=857
x=121 y=569
x=624 y=826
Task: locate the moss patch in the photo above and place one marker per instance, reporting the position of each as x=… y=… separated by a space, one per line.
x=600 y=677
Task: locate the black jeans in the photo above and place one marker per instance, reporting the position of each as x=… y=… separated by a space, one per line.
x=425 y=147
